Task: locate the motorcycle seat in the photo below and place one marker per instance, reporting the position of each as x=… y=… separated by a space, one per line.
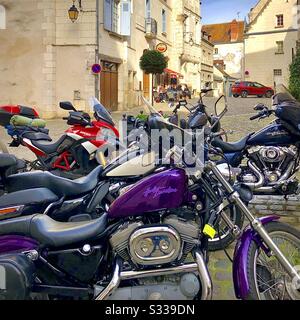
x=36 y=136
x=7 y=161
x=58 y=185
x=47 y=147
x=231 y=147
x=50 y=233
x=32 y=197
x=9 y=164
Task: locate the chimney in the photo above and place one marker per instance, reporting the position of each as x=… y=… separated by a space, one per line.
x=234 y=31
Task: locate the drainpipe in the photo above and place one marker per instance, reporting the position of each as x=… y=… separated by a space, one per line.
x=97 y=77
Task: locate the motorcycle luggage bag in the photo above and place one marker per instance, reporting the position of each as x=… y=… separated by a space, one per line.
x=289 y=112
x=19 y=130
x=25 y=121
x=17 y=274
x=7 y=112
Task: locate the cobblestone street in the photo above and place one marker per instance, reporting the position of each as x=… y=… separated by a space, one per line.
x=239 y=109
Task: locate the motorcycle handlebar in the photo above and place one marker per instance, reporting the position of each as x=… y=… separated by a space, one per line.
x=65 y=118
x=256 y=117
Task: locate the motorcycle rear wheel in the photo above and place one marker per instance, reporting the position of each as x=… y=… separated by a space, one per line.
x=267 y=279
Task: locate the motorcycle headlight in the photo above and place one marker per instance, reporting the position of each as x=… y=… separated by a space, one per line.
x=107 y=133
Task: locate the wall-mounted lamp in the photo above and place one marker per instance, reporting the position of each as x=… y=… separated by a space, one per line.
x=74 y=12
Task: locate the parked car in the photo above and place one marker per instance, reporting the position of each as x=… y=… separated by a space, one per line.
x=246 y=88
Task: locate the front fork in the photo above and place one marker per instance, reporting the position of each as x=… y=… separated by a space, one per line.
x=256 y=224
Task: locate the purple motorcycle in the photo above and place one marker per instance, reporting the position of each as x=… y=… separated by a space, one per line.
x=152 y=243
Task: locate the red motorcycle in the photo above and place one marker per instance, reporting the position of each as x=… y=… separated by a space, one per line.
x=75 y=153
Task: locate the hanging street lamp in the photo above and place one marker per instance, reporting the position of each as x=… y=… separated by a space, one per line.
x=73 y=13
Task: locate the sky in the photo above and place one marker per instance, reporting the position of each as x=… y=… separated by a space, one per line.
x=216 y=11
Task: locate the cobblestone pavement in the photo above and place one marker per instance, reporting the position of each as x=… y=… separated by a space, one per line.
x=236 y=119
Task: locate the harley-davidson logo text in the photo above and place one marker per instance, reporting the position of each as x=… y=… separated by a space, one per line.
x=157 y=191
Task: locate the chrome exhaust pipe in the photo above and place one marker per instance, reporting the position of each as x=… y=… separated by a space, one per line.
x=114 y=283
x=191 y=267
x=207 y=289
x=259 y=175
x=198 y=267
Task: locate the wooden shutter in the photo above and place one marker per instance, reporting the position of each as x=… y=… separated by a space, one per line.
x=107 y=14
x=125 y=18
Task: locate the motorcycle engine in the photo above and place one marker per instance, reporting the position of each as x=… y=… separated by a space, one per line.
x=272 y=161
x=150 y=246
x=155 y=245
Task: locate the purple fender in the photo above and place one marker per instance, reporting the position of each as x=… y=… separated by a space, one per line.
x=13 y=243
x=240 y=279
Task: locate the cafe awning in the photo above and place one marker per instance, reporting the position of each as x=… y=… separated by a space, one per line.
x=173 y=73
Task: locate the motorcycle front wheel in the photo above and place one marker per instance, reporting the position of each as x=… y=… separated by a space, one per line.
x=267 y=278
x=224 y=235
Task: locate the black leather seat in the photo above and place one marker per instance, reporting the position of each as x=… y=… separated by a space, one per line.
x=36 y=136
x=50 y=233
x=9 y=164
x=48 y=147
x=231 y=147
x=32 y=197
x=58 y=185
x=7 y=160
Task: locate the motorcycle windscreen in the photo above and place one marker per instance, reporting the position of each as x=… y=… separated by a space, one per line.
x=101 y=111
x=287 y=108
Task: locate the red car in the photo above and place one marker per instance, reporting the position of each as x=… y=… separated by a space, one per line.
x=246 y=88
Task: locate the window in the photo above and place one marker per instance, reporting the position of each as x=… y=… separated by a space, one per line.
x=2 y=18
x=216 y=51
x=258 y=85
x=279 y=45
x=115 y=16
x=279 y=20
x=198 y=33
x=148 y=9
x=277 y=72
x=164 y=21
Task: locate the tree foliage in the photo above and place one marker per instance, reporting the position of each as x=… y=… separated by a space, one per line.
x=153 y=62
x=295 y=76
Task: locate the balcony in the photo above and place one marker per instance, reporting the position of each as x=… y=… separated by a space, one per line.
x=151 y=28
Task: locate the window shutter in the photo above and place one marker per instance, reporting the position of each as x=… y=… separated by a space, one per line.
x=125 y=18
x=2 y=17
x=107 y=14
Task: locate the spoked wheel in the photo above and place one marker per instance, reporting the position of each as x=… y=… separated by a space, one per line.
x=267 y=279
x=224 y=236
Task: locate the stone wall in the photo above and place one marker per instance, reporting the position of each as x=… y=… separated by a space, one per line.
x=288 y=209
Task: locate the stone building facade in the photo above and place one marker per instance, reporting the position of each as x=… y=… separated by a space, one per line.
x=271 y=41
x=45 y=58
x=207 y=62
x=228 y=39
x=187 y=52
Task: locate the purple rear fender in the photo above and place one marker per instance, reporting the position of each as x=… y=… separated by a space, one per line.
x=13 y=243
x=240 y=278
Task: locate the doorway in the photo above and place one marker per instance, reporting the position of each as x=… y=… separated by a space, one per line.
x=109 y=85
x=278 y=78
x=146 y=85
